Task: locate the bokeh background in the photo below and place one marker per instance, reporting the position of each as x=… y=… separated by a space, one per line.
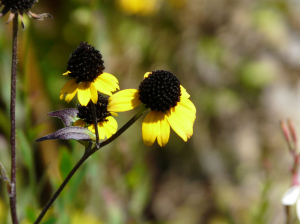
x=238 y=59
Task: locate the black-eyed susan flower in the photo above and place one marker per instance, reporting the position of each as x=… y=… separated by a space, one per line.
x=107 y=125
x=20 y=6
x=169 y=102
x=85 y=66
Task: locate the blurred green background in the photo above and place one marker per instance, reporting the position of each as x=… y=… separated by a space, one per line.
x=238 y=59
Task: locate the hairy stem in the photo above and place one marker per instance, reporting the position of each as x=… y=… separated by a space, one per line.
x=85 y=156
x=12 y=193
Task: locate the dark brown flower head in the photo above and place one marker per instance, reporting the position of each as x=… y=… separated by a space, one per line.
x=160 y=91
x=85 y=63
x=85 y=112
x=20 y=6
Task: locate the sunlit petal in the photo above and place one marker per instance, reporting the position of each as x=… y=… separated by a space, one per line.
x=84 y=93
x=290 y=197
x=67 y=73
x=101 y=87
x=110 y=80
x=163 y=132
x=183 y=118
x=124 y=100
x=69 y=90
x=188 y=105
x=184 y=93
x=177 y=125
x=104 y=84
x=149 y=128
x=111 y=77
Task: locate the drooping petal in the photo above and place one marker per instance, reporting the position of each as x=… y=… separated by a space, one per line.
x=150 y=127
x=189 y=115
x=291 y=195
x=178 y=125
x=94 y=93
x=102 y=80
x=79 y=123
x=110 y=80
x=69 y=90
x=124 y=100
x=163 y=129
x=102 y=87
x=188 y=105
x=84 y=93
x=184 y=93
x=183 y=118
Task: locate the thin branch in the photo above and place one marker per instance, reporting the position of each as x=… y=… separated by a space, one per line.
x=13 y=195
x=86 y=155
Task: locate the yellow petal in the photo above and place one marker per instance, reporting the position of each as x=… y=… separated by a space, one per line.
x=110 y=126
x=67 y=73
x=188 y=105
x=124 y=100
x=178 y=125
x=163 y=129
x=79 y=123
x=69 y=90
x=111 y=77
x=101 y=131
x=102 y=81
x=184 y=93
x=147 y=74
x=187 y=119
x=84 y=93
x=110 y=80
x=149 y=128
x=188 y=110
x=102 y=87
x=94 y=93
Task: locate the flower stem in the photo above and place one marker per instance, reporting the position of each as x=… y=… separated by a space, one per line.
x=95 y=122
x=12 y=193
x=88 y=152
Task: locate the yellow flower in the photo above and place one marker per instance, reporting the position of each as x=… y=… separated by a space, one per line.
x=140 y=7
x=169 y=103
x=107 y=125
x=86 y=67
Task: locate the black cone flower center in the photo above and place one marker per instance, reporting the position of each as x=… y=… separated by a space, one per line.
x=160 y=91
x=85 y=63
x=85 y=112
x=18 y=4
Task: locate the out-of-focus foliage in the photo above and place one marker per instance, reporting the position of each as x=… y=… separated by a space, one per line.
x=238 y=59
